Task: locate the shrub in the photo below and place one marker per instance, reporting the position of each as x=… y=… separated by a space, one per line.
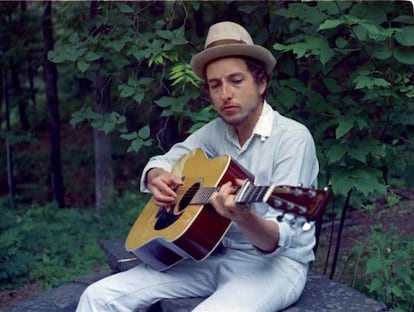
x=51 y=246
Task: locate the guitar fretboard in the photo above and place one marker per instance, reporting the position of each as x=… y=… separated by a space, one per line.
x=253 y=194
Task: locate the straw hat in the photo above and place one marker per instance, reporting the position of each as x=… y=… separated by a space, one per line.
x=230 y=39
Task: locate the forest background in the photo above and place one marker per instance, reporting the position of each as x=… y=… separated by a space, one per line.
x=91 y=90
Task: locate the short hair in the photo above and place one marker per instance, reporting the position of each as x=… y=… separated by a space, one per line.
x=257 y=68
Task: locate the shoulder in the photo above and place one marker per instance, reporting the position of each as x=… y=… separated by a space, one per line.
x=215 y=125
x=281 y=121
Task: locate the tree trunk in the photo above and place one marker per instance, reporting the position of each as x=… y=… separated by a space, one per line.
x=21 y=98
x=104 y=176
x=50 y=74
x=9 y=149
x=29 y=60
x=15 y=69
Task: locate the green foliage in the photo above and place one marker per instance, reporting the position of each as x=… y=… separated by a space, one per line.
x=138 y=139
x=344 y=69
x=351 y=72
x=51 y=246
x=139 y=55
x=389 y=269
x=13 y=139
x=381 y=259
x=109 y=122
x=182 y=74
x=202 y=117
x=103 y=122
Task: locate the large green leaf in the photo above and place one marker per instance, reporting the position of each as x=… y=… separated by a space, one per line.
x=404 y=55
x=337 y=153
x=344 y=126
x=329 y=24
x=405 y=36
x=370 y=82
x=365 y=180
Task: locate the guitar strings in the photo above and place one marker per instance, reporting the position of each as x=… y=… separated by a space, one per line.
x=203 y=194
x=196 y=194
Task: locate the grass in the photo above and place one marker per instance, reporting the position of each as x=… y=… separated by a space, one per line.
x=51 y=246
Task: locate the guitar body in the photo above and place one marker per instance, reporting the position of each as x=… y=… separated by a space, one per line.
x=163 y=239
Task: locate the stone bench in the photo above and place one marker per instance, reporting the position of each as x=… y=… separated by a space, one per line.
x=320 y=294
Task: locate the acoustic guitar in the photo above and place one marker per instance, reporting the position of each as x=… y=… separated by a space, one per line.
x=192 y=229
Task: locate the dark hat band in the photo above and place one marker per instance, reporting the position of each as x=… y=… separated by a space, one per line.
x=224 y=42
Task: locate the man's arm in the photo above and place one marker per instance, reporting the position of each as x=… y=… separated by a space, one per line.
x=263 y=234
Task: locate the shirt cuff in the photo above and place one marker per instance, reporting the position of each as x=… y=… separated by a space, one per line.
x=286 y=234
x=152 y=164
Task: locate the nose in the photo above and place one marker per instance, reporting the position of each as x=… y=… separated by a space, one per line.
x=225 y=91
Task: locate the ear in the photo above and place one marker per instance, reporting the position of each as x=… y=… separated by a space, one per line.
x=262 y=85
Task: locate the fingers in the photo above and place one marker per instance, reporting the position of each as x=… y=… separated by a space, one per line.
x=240 y=182
x=225 y=204
x=163 y=188
x=224 y=200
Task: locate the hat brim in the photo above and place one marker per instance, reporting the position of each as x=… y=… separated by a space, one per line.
x=201 y=59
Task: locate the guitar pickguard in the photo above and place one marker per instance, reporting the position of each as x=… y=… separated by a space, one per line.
x=166 y=217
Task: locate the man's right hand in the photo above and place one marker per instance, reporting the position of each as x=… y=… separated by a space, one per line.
x=162 y=185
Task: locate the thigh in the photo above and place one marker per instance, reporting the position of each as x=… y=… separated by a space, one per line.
x=264 y=285
x=141 y=286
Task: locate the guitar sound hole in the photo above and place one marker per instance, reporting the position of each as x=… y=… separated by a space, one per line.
x=165 y=218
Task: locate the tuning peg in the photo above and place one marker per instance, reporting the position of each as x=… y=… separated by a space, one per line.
x=277 y=203
x=298 y=191
x=290 y=206
x=312 y=193
x=302 y=209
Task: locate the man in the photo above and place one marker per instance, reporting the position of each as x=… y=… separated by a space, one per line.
x=263 y=261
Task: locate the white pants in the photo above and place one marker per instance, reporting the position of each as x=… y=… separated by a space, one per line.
x=233 y=280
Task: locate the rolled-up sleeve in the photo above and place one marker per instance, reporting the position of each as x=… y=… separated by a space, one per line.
x=154 y=162
x=200 y=139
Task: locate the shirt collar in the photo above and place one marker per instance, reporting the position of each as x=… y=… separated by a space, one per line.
x=263 y=126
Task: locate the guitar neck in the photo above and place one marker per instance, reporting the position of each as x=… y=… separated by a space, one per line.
x=309 y=203
x=250 y=194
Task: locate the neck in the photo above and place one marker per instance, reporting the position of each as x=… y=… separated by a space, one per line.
x=245 y=129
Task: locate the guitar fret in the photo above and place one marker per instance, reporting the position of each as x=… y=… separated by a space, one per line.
x=249 y=195
x=202 y=196
x=256 y=193
x=210 y=192
x=252 y=194
x=262 y=193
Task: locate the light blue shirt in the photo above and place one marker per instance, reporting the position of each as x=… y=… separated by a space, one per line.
x=280 y=151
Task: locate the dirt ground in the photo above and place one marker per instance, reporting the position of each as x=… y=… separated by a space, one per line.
x=8 y=298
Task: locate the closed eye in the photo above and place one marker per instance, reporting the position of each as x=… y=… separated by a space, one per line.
x=237 y=81
x=213 y=85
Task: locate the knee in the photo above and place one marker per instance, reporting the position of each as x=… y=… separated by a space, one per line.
x=89 y=300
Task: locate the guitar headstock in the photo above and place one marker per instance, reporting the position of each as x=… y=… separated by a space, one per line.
x=309 y=203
